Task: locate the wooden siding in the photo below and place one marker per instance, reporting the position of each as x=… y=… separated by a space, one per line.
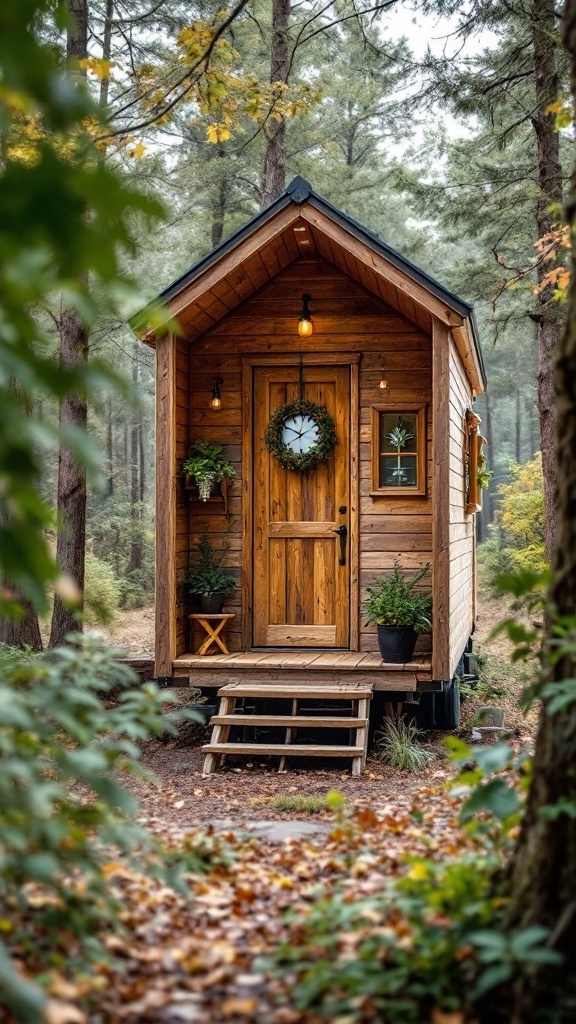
x=461 y=525
x=347 y=319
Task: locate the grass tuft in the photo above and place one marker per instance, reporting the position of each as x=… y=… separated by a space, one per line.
x=397 y=745
x=300 y=804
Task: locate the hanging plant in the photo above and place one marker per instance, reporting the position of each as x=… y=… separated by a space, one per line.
x=300 y=435
x=483 y=474
x=208 y=466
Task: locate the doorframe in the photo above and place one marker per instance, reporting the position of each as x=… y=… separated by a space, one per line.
x=249 y=363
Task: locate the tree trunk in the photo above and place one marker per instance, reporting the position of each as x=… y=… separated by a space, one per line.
x=518 y=430
x=135 y=507
x=71 y=542
x=274 y=178
x=24 y=632
x=218 y=213
x=544 y=26
x=544 y=867
x=106 y=52
x=110 y=448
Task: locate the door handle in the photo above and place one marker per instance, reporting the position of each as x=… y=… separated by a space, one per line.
x=342 y=532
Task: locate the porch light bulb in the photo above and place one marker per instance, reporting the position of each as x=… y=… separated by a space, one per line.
x=383 y=385
x=305 y=327
x=216 y=402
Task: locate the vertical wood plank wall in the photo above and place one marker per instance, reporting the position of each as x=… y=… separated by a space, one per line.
x=462 y=526
x=347 y=318
x=168 y=506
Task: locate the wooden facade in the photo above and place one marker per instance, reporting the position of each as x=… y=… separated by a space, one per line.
x=375 y=319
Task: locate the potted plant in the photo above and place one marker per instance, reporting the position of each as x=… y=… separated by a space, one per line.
x=208 y=581
x=208 y=466
x=400 y=612
x=399 y=438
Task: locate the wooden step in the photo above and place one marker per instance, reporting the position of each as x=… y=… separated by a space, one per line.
x=229 y=715
x=346 y=691
x=290 y=721
x=283 y=749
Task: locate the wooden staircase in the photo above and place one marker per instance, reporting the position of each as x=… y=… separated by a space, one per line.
x=353 y=716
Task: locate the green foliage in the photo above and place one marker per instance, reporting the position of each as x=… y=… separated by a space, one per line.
x=117 y=527
x=405 y=951
x=490 y=781
x=63 y=749
x=208 y=577
x=393 y=600
x=397 y=745
x=102 y=592
x=517 y=542
x=64 y=217
x=208 y=465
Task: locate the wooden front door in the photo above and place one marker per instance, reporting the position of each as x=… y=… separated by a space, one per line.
x=301 y=592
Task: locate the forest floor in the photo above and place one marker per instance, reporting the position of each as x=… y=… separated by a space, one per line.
x=203 y=956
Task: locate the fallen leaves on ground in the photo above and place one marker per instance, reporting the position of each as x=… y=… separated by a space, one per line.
x=195 y=959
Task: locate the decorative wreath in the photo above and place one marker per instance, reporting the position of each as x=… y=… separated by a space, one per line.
x=306 y=461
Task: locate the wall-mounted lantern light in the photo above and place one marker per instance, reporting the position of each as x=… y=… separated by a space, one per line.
x=305 y=322
x=383 y=385
x=216 y=402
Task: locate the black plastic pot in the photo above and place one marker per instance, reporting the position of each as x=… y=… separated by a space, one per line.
x=213 y=604
x=396 y=643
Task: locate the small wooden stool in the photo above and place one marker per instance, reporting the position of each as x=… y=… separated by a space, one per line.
x=205 y=621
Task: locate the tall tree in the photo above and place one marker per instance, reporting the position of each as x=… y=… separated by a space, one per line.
x=512 y=86
x=274 y=175
x=71 y=500
x=544 y=869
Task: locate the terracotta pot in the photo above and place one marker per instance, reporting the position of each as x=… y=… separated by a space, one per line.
x=396 y=643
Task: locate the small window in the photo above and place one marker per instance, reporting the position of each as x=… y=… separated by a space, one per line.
x=398 y=449
x=474 y=460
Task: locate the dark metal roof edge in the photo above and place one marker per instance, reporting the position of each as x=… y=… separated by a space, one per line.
x=477 y=345
x=402 y=262
x=228 y=243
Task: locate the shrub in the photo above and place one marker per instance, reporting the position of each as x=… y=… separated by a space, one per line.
x=102 y=592
x=516 y=543
x=58 y=731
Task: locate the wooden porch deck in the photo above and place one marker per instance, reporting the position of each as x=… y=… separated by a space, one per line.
x=303 y=668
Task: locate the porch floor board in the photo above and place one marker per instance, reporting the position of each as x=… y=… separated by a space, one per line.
x=302 y=668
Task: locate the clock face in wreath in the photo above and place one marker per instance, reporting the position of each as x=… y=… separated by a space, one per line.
x=300 y=433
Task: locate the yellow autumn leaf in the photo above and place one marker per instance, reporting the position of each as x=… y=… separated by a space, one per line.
x=554 y=108
x=418 y=872
x=138 y=150
x=218 y=133
x=99 y=66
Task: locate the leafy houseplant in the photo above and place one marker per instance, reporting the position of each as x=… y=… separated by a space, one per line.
x=208 y=581
x=398 y=439
x=400 y=612
x=208 y=466
x=483 y=474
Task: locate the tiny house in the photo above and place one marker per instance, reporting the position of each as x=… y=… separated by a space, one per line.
x=304 y=305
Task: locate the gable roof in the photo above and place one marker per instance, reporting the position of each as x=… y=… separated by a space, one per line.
x=339 y=238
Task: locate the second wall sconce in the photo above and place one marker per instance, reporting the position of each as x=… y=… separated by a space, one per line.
x=216 y=402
